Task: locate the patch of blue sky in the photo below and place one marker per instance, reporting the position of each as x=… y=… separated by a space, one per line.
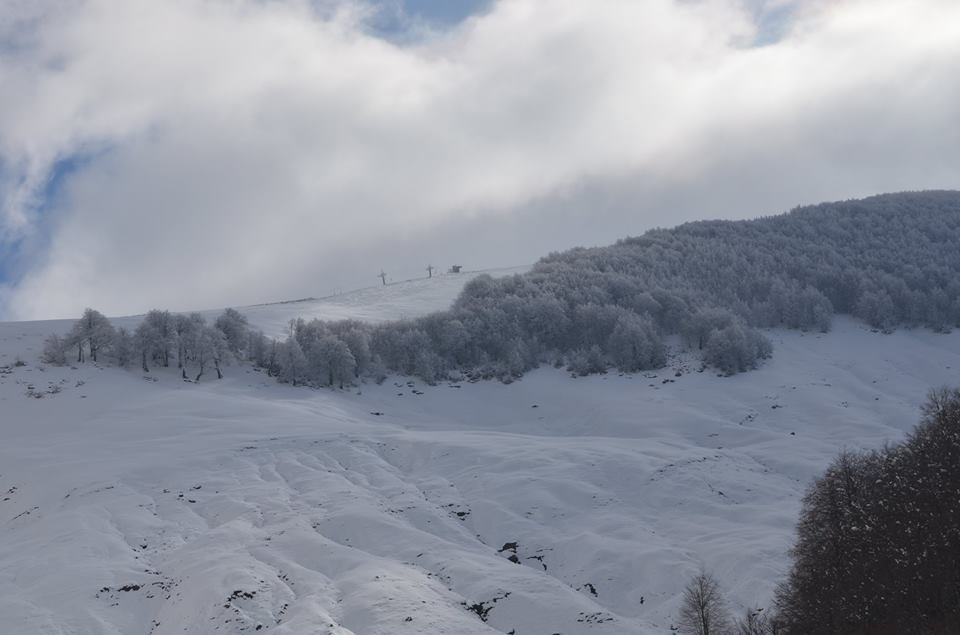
x=16 y=253
x=400 y=20
x=446 y=12
x=7 y=250
x=772 y=19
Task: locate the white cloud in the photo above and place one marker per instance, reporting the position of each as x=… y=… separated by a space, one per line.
x=251 y=150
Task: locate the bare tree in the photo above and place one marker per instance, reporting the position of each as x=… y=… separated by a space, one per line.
x=704 y=611
x=756 y=622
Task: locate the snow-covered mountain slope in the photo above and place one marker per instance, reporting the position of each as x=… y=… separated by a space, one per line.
x=395 y=301
x=133 y=504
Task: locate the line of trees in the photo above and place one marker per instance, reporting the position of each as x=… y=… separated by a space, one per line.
x=477 y=341
x=161 y=339
x=315 y=353
x=890 y=260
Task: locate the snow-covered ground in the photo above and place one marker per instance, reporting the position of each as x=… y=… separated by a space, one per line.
x=395 y=301
x=133 y=504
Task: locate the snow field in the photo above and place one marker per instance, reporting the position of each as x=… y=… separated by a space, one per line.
x=132 y=504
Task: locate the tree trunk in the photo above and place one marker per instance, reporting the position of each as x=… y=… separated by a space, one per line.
x=145 y=369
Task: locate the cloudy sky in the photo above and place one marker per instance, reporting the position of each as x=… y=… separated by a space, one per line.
x=203 y=153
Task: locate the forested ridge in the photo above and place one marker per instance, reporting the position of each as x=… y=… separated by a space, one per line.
x=892 y=260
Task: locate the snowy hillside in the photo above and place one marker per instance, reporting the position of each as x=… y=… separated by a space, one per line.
x=395 y=301
x=135 y=504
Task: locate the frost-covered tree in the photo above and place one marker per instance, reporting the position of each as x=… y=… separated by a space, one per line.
x=186 y=334
x=54 y=350
x=587 y=361
x=144 y=338
x=736 y=348
x=635 y=345
x=330 y=362
x=877 y=309
x=210 y=349
x=358 y=343
x=263 y=351
x=91 y=333
x=291 y=362
x=698 y=327
x=235 y=329
x=157 y=336
x=124 y=347
x=76 y=340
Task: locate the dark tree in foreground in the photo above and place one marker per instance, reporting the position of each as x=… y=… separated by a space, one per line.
x=878 y=542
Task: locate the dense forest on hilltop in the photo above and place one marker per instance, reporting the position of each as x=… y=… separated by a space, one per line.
x=891 y=260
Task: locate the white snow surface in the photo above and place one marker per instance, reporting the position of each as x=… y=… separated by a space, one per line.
x=395 y=301
x=133 y=503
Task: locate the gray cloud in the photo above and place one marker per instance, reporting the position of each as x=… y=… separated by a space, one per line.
x=250 y=151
